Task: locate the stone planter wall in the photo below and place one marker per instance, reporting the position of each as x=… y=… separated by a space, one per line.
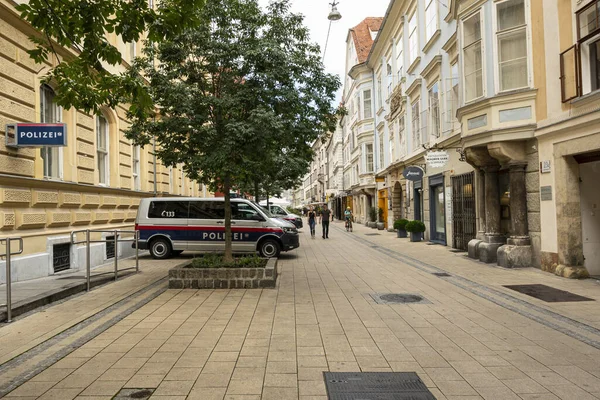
x=181 y=277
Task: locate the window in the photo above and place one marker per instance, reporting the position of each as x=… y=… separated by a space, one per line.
x=50 y=112
x=367 y=109
x=207 y=209
x=171 y=186
x=430 y=19
x=61 y=256
x=413 y=38
x=135 y=166
x=379 y=92
x=369 y=158
x=399 y=58
x=580 y=63
x=472 y=56
x=416 y=125
x=381 y=152
x=434 y=110
x=390 y=80
x=102 y=149
x=401 y=138
x=512 y=45
x=132 y=50
x=110 y=247
x=168 y=209
x=151 y=4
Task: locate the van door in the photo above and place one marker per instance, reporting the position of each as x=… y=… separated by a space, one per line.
x=206 y=226
x=246 y=229
x=167 y=217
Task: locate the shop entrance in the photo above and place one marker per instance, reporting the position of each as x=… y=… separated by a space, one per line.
x=464 y=225
x=437 y=205
x=417 y=199
x=382 y=204
x=589 y=173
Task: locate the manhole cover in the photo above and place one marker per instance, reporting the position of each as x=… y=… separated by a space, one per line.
x=441 y=274
x=398 y=298
x=547 y=293
x=376 y=386
x=130 y=394
x=372 y=234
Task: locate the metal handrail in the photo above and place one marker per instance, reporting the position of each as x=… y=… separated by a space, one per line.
x=8 y=254
x=116 y=241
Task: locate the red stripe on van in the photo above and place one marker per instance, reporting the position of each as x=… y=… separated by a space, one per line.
x=205 y=228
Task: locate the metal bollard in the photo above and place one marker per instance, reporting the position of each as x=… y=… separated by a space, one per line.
x=116 y=233
x=137 y=251
x=8 y=283
x=88 y=259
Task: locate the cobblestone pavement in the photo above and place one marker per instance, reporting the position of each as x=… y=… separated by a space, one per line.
x=471 y=339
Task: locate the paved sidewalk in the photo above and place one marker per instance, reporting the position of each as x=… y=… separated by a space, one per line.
x=473 y=339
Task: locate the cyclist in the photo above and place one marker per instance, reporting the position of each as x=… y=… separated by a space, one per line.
x=348 y=218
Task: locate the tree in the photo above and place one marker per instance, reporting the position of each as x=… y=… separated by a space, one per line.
x=84 y=80
x=241 y=87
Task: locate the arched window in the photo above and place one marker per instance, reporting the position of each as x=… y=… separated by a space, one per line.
x=50 y=113
x=102 y=143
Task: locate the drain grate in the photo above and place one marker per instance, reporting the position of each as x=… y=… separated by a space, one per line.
x=130 y=394
x=440 y=274
x=375 y=386
x=372 y=234
x=399 y=298
x=547 y=293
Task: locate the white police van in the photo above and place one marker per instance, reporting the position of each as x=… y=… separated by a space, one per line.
x=170 y=226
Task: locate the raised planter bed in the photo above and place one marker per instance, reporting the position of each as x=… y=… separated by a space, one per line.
x=184 y=277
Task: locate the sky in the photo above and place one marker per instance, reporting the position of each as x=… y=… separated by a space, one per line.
x=353 y=11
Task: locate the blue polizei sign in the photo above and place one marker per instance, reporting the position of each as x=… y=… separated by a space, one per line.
x=36 y=135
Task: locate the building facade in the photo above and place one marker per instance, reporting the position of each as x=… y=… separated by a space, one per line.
x=358 y=126
x=568 y=136
x=94 y=182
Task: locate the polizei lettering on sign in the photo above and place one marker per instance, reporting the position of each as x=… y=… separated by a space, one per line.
x=36 y=135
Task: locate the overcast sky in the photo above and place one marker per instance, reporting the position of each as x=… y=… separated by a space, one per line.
x=353 y=11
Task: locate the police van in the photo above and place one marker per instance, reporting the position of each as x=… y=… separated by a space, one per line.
x=170 y=226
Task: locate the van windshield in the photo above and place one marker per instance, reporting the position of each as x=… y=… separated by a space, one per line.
x=263 y=209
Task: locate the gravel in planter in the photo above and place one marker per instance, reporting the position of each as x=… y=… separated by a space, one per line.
x=216 y=261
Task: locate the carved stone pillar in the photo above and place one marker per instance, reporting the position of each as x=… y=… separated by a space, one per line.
x=519 y=234
x=493 y=236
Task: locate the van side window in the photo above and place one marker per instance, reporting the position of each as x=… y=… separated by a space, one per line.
x=168 y=209
x=277 y=210
x=242 y=211
x=207 y=210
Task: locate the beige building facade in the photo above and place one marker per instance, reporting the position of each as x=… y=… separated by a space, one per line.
x=568 y=137
x=94 y=182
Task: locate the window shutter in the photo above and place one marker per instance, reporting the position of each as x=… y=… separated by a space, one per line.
x=570 y=73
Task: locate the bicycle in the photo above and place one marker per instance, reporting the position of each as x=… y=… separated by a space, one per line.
x=348 y=224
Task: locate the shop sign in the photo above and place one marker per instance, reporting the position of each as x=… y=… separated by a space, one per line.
x=413 y=173
x=36 y=135
x=437 y=159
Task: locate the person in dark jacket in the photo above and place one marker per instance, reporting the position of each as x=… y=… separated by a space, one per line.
x=312 y=221
x=325 y=218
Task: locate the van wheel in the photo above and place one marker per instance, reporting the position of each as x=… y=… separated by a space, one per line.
x=160 y=249
x=269 y=248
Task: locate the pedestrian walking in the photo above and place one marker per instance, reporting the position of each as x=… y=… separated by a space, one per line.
x=325 y=217
x=312 y=221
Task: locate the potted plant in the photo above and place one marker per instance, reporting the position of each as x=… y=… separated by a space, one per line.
x=372 y=217
x=400 y=227
x=380 y=222
x=416 y=229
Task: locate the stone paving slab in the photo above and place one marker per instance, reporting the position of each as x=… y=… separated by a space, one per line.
x=474 y=339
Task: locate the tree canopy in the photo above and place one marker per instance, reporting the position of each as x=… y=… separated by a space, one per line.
x=239 y=96
x=85 y=80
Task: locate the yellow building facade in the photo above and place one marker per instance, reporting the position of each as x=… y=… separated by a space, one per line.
x=95 y=182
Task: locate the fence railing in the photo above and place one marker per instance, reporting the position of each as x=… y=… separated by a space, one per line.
x=88 y=241
x=8 y=253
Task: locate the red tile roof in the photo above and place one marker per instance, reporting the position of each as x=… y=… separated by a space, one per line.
x=361 y=34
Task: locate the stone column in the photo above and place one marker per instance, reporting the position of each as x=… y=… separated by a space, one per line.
x=518 y=206
x=480 y=193
x=493 y=238
x=492 y=202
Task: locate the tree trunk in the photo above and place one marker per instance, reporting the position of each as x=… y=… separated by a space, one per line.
x=256 y=192
x=228 y=256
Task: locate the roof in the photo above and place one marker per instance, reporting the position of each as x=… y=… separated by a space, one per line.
x=361 y=34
